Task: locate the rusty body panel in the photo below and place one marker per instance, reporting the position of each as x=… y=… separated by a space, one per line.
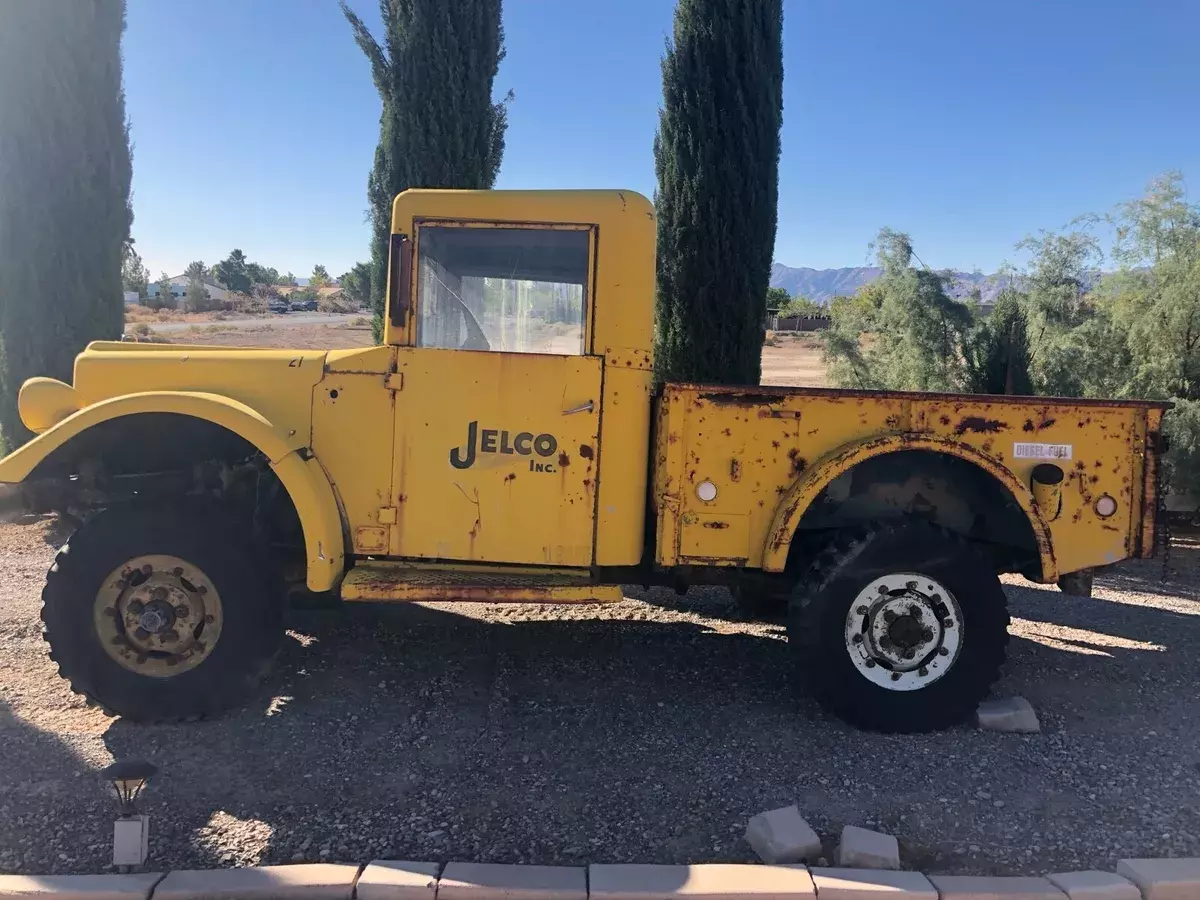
x=399 y=582
x=772 y=452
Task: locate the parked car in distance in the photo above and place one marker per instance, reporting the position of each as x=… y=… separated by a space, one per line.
x=304 y=306
x=279 y=306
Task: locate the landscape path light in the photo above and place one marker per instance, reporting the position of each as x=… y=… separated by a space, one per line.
x=131 y=831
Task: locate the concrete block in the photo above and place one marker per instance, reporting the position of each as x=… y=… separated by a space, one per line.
x=390 y=879
x=994 y=887
x=861 y=848
x=711 y=882
x=872 y=884
x=782 y=836
x=1012 y=714
x=84 y=887
x=485 y=881
x=1094 y=886
x=318 y=881
x=1163 y=879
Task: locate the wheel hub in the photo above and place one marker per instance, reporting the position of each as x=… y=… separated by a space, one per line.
x=158 y=615
x=903 y=631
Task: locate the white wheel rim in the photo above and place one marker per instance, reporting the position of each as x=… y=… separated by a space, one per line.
x=904 y=631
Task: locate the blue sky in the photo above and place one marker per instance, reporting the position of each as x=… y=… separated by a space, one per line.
x=967 y=123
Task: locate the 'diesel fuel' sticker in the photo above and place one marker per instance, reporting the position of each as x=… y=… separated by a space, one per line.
x=1042 y=451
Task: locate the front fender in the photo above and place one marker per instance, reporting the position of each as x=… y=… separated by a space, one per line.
x=303 y=478
x=818 y=476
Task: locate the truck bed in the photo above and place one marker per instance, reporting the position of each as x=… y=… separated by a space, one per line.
x=763 y=448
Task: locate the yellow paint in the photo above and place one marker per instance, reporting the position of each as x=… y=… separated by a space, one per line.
x=620 y=327
x=364 y=440
x=383 y=581
x=788 y=444
x=44 y=402
x=304 y=480
x=523 y=489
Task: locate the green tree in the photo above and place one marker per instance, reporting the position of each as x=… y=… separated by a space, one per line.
x=777 y=298
x=163 y=299
x=716 y=156
x=261 y=274
x=196 y=269
x=232 y=272
x=135 y=277
x=996 y=354
x=439 y=126
x=802 y=306
x=64 y=189
x=319 y=277
x=195 y=298
x=356 y=284
x=904 y=331
x=288 y=280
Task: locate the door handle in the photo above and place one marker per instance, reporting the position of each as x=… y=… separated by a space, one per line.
x=582 y=407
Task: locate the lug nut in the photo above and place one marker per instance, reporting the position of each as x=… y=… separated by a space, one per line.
x=141 y=634
x=136 y=607
x=927 y=634
x=923 y=671
x=170 y=637
x=889 y=616
x=159 y=593
x=942 y=651
x=870 y=663
x=177 y=571
x=858 y=639
x=182 y=612
x=147 y=569
x=861 y=611
x=948 y=623
x=915 y=612
x=895 y=676
x=909 y=654
x=202 y=590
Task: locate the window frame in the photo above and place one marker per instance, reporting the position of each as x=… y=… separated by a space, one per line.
x=589 y=286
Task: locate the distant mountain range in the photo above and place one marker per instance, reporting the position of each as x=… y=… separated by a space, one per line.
x=822 y=284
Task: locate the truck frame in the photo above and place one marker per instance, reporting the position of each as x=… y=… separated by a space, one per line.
x=507 y=443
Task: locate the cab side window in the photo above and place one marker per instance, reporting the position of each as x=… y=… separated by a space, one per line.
x=513 y=290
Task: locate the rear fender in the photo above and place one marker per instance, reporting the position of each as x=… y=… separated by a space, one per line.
x=302 y=476
x=818 y=476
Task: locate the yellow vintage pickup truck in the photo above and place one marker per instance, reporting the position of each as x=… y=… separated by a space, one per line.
x=507 y=443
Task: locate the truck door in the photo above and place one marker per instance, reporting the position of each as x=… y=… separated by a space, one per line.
x=498 y=403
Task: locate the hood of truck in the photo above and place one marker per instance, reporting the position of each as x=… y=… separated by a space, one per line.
x=277 y=384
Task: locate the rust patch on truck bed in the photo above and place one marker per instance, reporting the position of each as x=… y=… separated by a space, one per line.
x=979 y=425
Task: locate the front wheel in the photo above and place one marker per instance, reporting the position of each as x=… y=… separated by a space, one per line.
x=900 y=628
x=161 y=615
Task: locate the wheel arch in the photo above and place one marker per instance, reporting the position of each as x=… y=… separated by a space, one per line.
x=799 y=498
x=301 y=475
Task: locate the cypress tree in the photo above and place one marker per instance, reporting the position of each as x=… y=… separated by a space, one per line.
x=438 y=127
x=64 y=188
x=716 y=155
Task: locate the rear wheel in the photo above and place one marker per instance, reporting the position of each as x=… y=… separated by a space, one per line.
x=162 y=616
x=899 y=627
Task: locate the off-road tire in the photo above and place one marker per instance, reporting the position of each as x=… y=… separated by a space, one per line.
x=821 y=601
x=252 y=608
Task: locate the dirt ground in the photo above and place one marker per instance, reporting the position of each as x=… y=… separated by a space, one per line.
x=649 y=730
x=787 y=360
x=298 y=337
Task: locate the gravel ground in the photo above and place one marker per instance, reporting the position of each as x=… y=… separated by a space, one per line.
x=646 y=731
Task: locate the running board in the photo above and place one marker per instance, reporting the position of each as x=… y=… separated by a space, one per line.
x=406 y=583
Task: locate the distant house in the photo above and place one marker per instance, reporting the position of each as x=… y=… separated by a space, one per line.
x=179 y=286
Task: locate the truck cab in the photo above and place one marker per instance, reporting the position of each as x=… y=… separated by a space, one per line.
x=507 y=443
